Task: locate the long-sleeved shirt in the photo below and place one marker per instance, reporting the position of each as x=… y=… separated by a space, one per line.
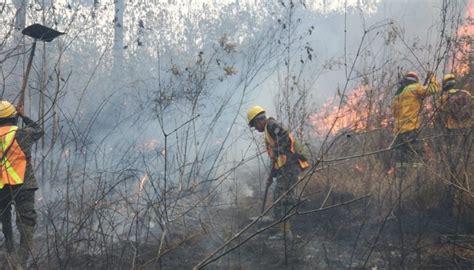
x=26 y=138
x=448 y=120
x=407 y=105
x=281 y=149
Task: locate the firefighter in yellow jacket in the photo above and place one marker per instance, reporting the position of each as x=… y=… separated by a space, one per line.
x=456 y=114
x=17 y=181
x=286 y=162
x=455 y=105
x=407 y=105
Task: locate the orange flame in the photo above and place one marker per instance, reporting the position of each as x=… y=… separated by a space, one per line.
x=360 y=168
x=353 y=114
x=142 y=182
x=465 y=33
x=149 y=145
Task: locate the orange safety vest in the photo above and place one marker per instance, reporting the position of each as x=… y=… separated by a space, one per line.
x=13 y=163
x=280 y=161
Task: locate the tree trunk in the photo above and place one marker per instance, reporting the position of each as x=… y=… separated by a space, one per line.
x=20 y=22
x=118 y=37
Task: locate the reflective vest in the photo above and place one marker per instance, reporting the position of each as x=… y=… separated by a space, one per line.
x=280 y=161
x=13 y=164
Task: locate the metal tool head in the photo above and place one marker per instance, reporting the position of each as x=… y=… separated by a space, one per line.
x=41 y=32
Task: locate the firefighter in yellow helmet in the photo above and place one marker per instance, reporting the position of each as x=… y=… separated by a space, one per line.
x=286 y=163
x=17 y=181
x=407 y=105
x=456 y=105
x=456 y=114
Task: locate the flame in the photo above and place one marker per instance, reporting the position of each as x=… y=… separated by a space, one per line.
x=390 y=171
x=360 y=168
x=465 y=34
x=142 y=183
x=149 y=145
x=353 y=114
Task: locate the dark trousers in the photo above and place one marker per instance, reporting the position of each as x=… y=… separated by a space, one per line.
x=24 y=202
x=287 y=177
x=407 y=148
x=458 y=145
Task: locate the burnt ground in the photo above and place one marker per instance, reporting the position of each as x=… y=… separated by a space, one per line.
x=353 y=236
x=423 y=232
x=347 y=237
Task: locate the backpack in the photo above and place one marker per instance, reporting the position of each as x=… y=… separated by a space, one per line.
x=460 y=105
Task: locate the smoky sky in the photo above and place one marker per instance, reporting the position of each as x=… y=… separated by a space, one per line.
x=417 y=22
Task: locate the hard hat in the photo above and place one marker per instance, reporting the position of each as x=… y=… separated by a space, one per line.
x=253 y=112
x=449 y=77
x=411 y=76
x=7 y=110
x=449 y=81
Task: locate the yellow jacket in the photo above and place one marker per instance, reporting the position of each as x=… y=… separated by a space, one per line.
x=448 y=121
x=407 y=105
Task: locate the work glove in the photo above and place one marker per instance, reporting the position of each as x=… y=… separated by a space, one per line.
x=430 y=78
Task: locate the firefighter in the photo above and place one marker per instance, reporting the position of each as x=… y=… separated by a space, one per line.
x=406 y=106
x=17 y=181
x=455 y=105
x=286 y=163
x=456 y=114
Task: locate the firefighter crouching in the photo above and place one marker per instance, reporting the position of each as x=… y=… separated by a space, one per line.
x=17 y=181
x=286 y=164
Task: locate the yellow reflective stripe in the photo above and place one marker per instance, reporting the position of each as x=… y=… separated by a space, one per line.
x=2 y=144
x=11 y=172
x=10 y=136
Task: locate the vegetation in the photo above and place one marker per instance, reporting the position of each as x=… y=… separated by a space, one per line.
x=148 y=162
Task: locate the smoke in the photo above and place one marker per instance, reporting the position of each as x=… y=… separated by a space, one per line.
x=176 y=110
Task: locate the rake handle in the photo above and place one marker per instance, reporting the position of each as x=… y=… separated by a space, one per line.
x=21 y=101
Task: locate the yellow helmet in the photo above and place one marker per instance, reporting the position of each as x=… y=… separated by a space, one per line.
x=448 y=77
x=7 y=110
x=253 y=112
x=449 y=81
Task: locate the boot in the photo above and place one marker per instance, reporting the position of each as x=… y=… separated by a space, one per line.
x=26 y=244
x=400 y=169
x=417 y=165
